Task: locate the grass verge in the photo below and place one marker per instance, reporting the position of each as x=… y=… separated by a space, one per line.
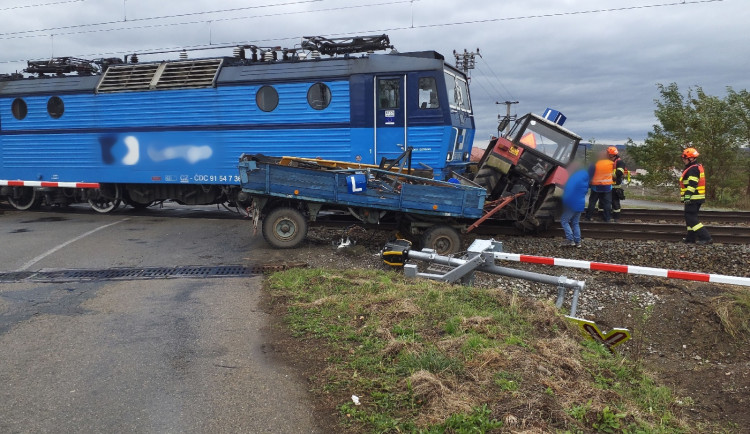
x=733 y=309
x=428 y=357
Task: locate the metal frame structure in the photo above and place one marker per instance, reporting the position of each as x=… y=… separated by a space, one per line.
x=480 y=256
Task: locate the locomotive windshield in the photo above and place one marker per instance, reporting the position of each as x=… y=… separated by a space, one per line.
x=458 y=92
x=547 y=140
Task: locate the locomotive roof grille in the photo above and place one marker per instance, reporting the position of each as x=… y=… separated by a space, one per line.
x=158 y=76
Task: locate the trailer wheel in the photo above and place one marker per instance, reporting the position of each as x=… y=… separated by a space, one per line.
x=284 y=228
x=27 y=199
x=445 y=240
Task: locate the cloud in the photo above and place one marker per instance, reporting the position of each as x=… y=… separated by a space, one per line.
x=599 y=69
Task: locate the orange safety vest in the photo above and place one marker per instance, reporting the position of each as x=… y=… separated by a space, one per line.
x=700 y=191
x=603 y=172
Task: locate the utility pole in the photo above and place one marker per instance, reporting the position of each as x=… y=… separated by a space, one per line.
x=466 y=61
x=507 y=119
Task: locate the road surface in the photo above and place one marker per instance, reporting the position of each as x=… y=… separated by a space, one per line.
x=162 y=355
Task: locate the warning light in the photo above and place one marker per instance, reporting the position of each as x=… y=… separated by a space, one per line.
x=296 y=191
x=434 y=206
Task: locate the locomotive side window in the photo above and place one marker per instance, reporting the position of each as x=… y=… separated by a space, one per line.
x=19 y=108
x=267 y=98
x=388 y=93
x=319 y=96
x=458 y=92
x=428 y=93
x=55 y=107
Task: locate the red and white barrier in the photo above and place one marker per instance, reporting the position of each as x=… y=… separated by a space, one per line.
x=627 y=269
x=6 y=183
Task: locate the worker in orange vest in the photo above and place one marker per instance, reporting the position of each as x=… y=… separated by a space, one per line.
x=601 y=186
x=618 y=176
x=693 y=194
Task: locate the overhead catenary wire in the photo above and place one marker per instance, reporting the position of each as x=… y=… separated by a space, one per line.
x=212 y=20
x=162 y=17
x=39 y=5
x=410 y=27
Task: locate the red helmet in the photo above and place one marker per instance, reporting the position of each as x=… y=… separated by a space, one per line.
x=612 y=151
x=690 y=153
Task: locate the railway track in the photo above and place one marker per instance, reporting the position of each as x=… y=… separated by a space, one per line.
x=637 y=231
x=733 y=217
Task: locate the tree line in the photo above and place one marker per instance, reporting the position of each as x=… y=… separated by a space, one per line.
x=719 y=127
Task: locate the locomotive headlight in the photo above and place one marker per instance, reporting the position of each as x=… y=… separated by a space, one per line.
x=449 y=157
x=465 y=157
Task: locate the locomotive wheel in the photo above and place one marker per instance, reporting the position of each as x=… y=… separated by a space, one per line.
x=445 y=240
x=104 y=205
x=137 y=205
x=127 y=200
x=28 y=199
x=284 y=228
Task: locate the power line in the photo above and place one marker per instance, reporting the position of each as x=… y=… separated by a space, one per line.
x=40 y=5
x=494 y=74
x=106 y=23
x=549 y=15
x=217 y=45
x=497 y=92
x=152 y=26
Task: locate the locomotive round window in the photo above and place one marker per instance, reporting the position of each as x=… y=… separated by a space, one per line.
x=319 y=96
x=267 y=98
x=55 y=107
x=19 y=108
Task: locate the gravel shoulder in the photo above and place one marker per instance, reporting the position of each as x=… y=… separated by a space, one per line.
x=677 y=332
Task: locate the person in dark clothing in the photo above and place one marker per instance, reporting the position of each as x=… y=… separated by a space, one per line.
x=693 y=195
x=617 y=192
x=601 y=186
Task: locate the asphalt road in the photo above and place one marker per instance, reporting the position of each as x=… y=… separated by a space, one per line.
x=164 y=355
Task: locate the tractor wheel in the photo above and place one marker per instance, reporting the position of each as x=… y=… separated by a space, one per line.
x=28 y=198
x=445 y=240
x=284 y=228
x=488 y=178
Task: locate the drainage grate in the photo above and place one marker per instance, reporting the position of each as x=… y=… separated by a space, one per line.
x=145 y=273
x=14 y=276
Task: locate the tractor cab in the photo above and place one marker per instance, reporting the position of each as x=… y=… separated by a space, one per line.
x=528 y=165
x=541 y=146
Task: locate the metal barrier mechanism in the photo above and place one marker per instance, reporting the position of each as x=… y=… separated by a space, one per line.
x=481 y=256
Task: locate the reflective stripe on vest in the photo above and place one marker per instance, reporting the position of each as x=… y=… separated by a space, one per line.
x=603 y=172
x=614 y=174
x=695 y=193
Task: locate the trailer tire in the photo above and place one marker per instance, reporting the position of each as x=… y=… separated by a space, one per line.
x=445 y=240
x=284 y=228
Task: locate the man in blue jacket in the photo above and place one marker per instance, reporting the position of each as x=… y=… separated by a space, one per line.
x=573 y=203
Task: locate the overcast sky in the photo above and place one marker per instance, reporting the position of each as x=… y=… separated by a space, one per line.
x=600 y=69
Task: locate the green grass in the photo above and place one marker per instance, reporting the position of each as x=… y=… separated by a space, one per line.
x=428 y=357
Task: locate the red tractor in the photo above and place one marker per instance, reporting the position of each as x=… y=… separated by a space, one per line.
x=525 y=170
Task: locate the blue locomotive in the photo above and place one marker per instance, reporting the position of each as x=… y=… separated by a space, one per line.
x=142 y=132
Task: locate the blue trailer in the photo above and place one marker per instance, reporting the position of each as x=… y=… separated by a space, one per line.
x=286 y=197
